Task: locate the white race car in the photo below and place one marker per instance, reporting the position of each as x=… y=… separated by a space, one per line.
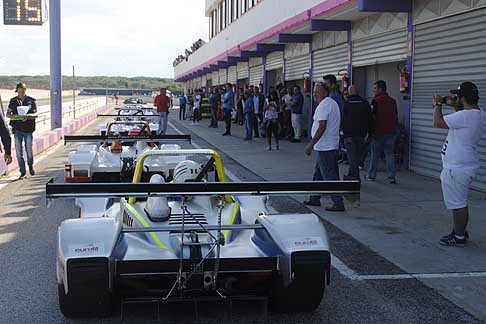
x=191 y=239
x=129 y=115
x=115 y=158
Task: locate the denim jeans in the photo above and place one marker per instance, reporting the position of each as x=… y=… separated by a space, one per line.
x=214 y=116
x=354 y=149
x=182 y=112
x=379 y=144
x=227 y=120
x=327 y=168
x=248 y=126
x=164 y=116
x=22 y=137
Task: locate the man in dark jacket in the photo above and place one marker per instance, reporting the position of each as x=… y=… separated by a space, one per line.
x=258 y=105
x=214 y=102
x=356 y=126
x=6 y=141
x=385 y=123
x=23 y=127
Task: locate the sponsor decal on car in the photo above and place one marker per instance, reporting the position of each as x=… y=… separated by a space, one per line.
x=311 y=242
x=87 y=249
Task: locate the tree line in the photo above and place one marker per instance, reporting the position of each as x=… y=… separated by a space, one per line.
x=42 y=82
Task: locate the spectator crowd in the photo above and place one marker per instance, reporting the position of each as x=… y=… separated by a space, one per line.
x=347 y=127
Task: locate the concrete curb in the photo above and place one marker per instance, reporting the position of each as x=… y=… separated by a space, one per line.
x=53 y=137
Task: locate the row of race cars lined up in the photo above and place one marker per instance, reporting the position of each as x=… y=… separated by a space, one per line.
x=161 y=223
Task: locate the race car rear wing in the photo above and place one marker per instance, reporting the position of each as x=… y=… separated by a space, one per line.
x=125 y=138
x=142 y=190
x=126 y=115
x=134 y=106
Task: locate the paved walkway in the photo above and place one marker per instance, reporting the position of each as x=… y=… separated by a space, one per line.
x=402 y=223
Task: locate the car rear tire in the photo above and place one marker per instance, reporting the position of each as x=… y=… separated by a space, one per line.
x=304 y=294
x=85 y=303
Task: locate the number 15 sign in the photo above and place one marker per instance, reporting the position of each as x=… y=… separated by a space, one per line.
x=22 y=12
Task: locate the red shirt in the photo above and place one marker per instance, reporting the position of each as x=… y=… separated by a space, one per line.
x=162 y=102
x=385 y=113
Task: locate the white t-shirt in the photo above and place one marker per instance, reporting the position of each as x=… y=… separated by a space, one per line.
x=197 y=103
x=327 y=110
x=287 y=98
x=271 y=112
x=466 y=128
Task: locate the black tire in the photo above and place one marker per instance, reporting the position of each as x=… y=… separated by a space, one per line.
x=304 y=294
x=85 y=304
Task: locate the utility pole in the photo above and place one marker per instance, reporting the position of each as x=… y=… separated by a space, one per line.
x=74 y=95
x=55 y=62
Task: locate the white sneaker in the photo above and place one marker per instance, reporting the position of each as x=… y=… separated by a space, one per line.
x=278 y=147
x=269 y=148
x=193 y=124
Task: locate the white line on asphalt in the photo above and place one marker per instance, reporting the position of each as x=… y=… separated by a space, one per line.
x=423 y=276
x=353 y=275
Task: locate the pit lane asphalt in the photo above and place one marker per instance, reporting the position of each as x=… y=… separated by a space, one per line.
x=28 y=292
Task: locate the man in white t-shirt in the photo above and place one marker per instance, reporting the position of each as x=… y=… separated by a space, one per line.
x=460 y=159
x=196 y=114
x=325 y=141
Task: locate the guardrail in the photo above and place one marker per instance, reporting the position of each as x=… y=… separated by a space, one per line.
x=43 y=121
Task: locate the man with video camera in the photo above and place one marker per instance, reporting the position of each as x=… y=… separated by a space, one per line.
x=460 y=159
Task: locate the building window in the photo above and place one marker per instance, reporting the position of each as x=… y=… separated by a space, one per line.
x=220 y=17
x=223 y=11
x=227 y=12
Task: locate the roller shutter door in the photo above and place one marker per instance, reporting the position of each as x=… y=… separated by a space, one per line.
x=215 y=78
x=204 y=80
x=330 y=61
x=232 y=74
x=242 y=69
x=439 y=67
x=223 y=76
x=256 y=75
x=296 y=67
x=275 y=61
x=383 y=48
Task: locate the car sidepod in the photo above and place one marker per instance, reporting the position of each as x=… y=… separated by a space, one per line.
x=85 y=266
x=305 y=260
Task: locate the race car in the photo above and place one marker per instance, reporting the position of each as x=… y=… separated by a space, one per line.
x=114 y=160
x=125 y=124
x=133 y=100
x=190 y=239
x=133 y=113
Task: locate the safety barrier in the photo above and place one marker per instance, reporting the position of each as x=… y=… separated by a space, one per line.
x=83 y=106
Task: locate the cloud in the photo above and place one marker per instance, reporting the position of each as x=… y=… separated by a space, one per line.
x=109 y=37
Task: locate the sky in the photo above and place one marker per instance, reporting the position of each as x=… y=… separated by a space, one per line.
x=107 y=37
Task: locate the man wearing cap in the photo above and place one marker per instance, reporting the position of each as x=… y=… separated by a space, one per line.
x=162 y=102
x=23 y=128
x=460 y=158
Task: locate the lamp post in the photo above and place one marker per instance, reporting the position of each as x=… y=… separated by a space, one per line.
x=74 y=95
x=55 y=62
